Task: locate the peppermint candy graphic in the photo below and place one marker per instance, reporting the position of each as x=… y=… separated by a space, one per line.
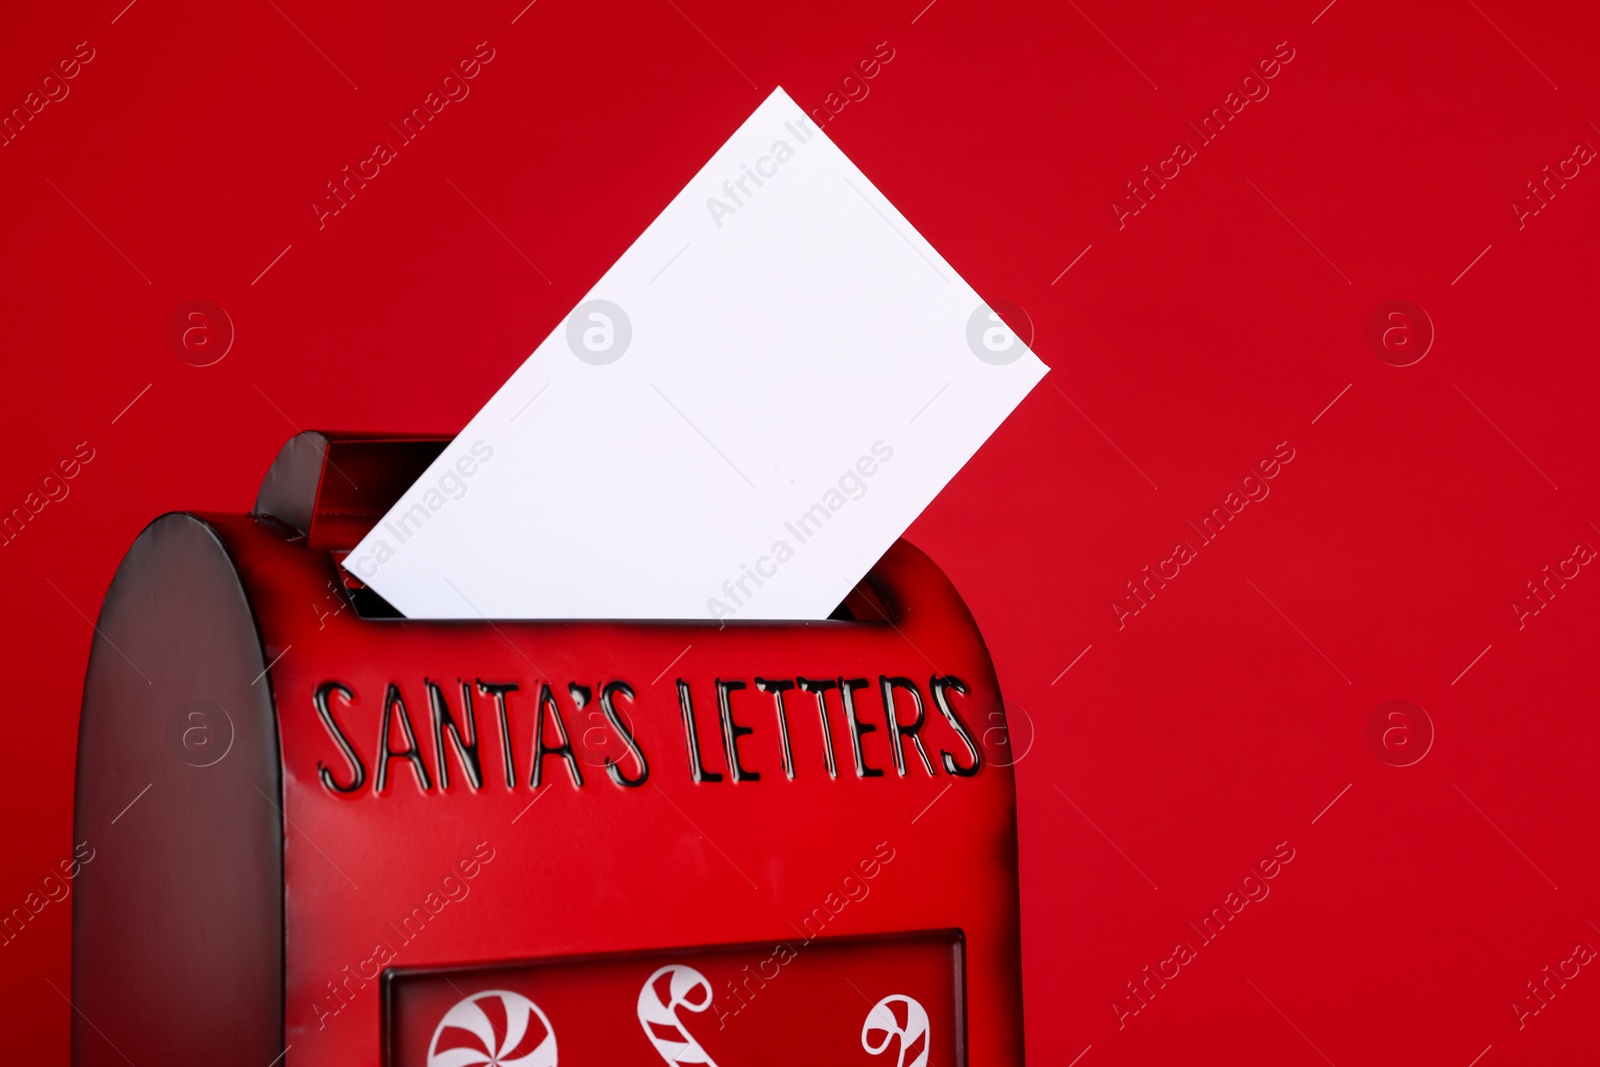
x=674 y=986
x=902 y=1017
x=495 y=1028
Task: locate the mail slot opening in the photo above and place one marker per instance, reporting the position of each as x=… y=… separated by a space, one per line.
x=863 y=605
x=329 y=489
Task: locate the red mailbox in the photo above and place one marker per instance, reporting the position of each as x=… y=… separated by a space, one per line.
x=327 y=835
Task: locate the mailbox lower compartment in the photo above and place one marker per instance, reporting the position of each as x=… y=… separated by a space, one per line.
x=889 y=1000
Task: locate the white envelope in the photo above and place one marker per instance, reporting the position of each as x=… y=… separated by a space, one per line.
x=736 y=422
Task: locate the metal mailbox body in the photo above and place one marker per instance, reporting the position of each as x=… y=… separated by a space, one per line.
x=281 y=884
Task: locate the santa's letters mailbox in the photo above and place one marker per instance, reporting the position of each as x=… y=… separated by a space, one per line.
x=327 y=835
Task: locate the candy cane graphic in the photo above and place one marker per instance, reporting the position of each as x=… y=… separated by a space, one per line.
x=495 y=1028
x=676 y=985
x=885 y=1018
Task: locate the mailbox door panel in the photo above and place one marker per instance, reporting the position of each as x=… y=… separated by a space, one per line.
x=177 y=923
x=852 y=1001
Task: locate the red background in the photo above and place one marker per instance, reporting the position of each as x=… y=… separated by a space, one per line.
x=1222 y=319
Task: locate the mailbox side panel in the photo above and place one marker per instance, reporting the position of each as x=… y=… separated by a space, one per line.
x=177 y=924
